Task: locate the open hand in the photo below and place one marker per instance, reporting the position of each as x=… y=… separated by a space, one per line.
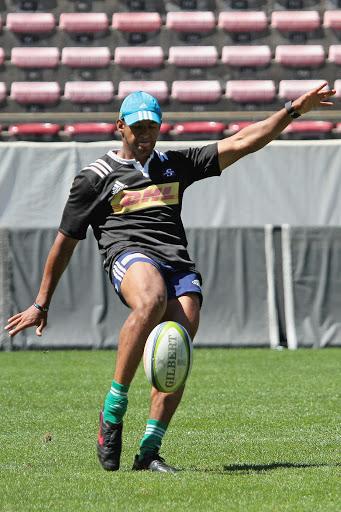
x=32 y=316
x=313 y=99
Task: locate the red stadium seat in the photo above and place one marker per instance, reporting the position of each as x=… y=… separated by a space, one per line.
x=292 y=89
x=90 y=132
x=86 y=57
x=193 y=56
x=300 y=55
x=86 y=128
x=332 y=19
x=244 y=21
x=335 y=53
x=249 y=91
x=140 y=57
x=337 y=87
x=157 y=88
x=200 y=127
x=34 y=129
x=310 y=126
x=89 y=92
x=3 y=91
x=83 y=23
x=35 y=92
x=30 y=23
x=191 y=21
x=137 y=21
x=165 y=128
x=240 y=56
x=199 y=130
x=35 y=57
x=239 y=125
x=202 y=91
x=297 y=21
x=1 y=22
x=2 y=56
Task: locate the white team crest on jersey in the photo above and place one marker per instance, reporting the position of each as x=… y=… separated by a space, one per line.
x=118 y=186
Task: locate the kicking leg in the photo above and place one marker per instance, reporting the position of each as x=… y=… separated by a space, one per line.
x=145 y=292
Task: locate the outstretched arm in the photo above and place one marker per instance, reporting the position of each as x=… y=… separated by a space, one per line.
x=57 y=261
x=256 y=136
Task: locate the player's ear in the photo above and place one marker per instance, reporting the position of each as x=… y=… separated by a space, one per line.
x=120 y=124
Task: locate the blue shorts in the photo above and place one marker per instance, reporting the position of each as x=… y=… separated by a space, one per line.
x=177 y=282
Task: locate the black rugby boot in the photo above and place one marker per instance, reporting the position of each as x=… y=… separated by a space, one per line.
x=109 y=444
x=153 y=462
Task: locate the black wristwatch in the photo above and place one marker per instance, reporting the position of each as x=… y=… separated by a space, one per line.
x=290 y=110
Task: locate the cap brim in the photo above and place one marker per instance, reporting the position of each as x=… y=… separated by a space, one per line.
x=142 y=115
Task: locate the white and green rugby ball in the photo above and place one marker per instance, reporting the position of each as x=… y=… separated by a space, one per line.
x=168 y=356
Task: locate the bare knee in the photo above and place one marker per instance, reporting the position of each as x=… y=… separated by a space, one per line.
x=150 y=309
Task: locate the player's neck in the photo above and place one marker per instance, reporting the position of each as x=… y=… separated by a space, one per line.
x=129 y=155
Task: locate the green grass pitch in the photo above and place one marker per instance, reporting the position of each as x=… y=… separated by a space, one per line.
x=257 y=431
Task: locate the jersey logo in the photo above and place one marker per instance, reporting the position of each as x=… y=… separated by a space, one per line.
x=168 y=173
x=118 y=186
x=154 y=195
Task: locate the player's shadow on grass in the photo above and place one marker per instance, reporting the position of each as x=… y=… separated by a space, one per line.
x=272 y=466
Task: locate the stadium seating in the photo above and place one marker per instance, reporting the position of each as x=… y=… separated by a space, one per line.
x=30 y=23
x=191 y=21
x=137 y=21
x=89 y=92
x=334 y=54
x=243 y=26
x=193 y=56
x=308 y=130
x=251 y=91
x=43 y=132
x=87 y=22
x=35 y=57
x=158 y=89
x=237 y=126
x=243 y=21
x=35 y=92
x=200 y=130
x=337 y=87
x=85 y=132
x=3 y=92
x=140 y=57
x=300 y=21
x=300 y=55
x=332 y=20
x=292 y=89
x=2 y=56
x=86 y=57
x=200 y=91
x=240 y=56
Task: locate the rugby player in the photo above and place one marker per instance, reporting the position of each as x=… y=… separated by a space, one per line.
x=132 y=200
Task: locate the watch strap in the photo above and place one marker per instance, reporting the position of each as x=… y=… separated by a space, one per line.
x=290 y=110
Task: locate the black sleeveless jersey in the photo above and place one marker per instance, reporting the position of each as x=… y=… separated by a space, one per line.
x=136 y=208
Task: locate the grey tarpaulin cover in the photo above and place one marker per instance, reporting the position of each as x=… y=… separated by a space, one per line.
x=293 y=183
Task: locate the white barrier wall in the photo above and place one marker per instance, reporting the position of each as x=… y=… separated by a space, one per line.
x=294 y=183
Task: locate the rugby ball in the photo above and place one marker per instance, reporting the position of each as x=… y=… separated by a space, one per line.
x=168 y=356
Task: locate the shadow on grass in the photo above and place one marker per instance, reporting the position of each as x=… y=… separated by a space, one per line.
x=273 y=465
x=248 y=468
